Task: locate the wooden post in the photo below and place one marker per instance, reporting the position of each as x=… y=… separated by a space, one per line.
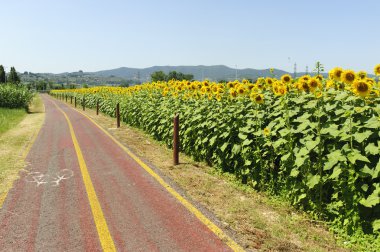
x=118 y=115
x=84 y=103
x=75 y=101
x=66 y=97
x=176 y=140
x=97 y=107
x=71 y=100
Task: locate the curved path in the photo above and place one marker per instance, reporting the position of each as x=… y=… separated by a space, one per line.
x=82 y=191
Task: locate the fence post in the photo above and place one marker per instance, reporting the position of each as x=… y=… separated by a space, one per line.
x=176 y=140
x=118 y=115
x=71 y=100
x=97 y=107
x=84 y=103
x=75 y=101
x=66 y=97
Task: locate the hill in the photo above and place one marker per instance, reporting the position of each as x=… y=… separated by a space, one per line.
x=215 y=73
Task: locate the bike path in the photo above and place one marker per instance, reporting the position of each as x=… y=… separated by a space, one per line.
x=83 y=192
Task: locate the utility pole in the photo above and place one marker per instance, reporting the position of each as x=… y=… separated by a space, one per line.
x=295 y=70
x=236 y=77
x=138 y=77
x=307 y=70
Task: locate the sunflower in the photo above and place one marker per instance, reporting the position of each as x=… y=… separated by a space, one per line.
x=362 y=75
x=266 y=132
x=336 y=73
x=305 y=78
x=286 y=78
x=362 y=88
x=303 y=86
x=233 y=93
x=269 y=81
x=258 y=98
x=348 y=76
x=240 y=90
x=282 y=90
x=319 y=77
x=377 y=70
x=230 y=84
x=330 y=84
x=218 y=97
x=214 y=88
x=314 y=83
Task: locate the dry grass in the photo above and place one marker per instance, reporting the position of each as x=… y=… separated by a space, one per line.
x=14 y=143
x=256 y=221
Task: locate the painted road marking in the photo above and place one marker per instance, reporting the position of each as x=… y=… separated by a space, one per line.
x=3 y=196
x=101 y=225
x=40 y=178
x=214 y=228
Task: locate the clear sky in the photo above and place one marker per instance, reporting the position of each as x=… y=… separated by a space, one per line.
x=70 y=35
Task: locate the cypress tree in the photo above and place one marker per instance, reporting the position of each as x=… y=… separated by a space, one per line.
x=13 y=76
x=2 y=74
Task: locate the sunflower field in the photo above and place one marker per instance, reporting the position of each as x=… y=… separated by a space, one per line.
x=314 y=140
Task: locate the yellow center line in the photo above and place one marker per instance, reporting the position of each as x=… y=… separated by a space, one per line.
x=100 y=222
x=214 y=228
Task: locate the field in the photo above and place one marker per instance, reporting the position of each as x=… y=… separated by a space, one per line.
x=10 y=118
x=312 y=140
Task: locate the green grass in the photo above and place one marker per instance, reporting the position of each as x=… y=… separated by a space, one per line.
x=9 y=118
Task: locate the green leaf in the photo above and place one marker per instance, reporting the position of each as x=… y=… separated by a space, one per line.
x=337 y=171
x=212 y=140
x=367 y=171
x=236 y=149
x=376 y=171
x=376 y=225
x=247 y=142
x=247 y=162
x=371 y=201
x=331 y=130
x=294 y=172
x=360 y=137
x=224 y=146
x=364 y=187
x=285 y=157
x=313 y=181
x=333 y=158
x=355 y=156
x=372 y=149
x=242 y=136
x=300 y=161
x=373 y=123
x=279 y=142
x=310 y=145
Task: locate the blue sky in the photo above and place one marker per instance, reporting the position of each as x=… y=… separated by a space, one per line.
x=89 y=35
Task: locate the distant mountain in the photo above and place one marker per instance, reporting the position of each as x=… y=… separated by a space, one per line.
x=214 y=73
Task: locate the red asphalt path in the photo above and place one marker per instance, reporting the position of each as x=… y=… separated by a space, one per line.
x=48 y=208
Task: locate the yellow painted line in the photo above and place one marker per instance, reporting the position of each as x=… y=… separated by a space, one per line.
x=214 y=228
x=105 y=238
x=3 y=196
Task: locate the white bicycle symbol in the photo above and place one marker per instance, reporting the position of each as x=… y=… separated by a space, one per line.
x=40 y=178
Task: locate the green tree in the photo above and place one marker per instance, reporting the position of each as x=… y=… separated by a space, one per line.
x=13 y=76
x=2 y=74
x=174 y=75
x=158 y=76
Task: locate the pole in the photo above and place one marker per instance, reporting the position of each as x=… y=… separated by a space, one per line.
x=75 y=101
x=97 y=107
x=84 y=103
x=176 y=140
x=71 y=100
x=118 y=115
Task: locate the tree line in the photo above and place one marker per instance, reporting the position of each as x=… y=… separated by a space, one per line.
x=12 y=77
x=173 y=75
